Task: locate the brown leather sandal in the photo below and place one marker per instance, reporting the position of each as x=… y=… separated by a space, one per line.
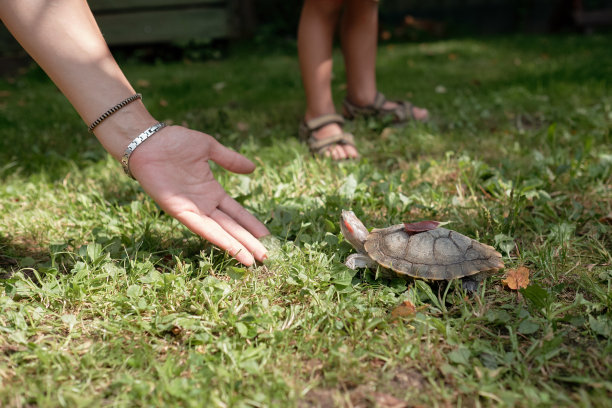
x=402 y=113
x=308 y=127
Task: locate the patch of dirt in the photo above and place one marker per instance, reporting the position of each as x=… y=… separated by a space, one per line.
x=9 y=349
x=320 y=398
x=362 y=396
x=366 y=395
x=407 y=379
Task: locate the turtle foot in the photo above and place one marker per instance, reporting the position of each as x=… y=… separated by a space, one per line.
x=359 y=261
x=470 y=285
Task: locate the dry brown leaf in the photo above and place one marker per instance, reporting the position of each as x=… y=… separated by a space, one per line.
x=386 y=132
x=421 y=226
x=591 y=266
x=389 y=401
x=242 y=126
x=606 y=219
x=517 y=278
x=406 y=309
x=143 y=83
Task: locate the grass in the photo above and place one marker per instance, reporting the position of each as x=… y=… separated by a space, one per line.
x=106 y=301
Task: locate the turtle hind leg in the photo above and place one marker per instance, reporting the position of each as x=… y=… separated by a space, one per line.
x=359 y=261
x=470 y=285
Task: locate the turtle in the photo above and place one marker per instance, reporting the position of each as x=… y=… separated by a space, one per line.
x=422 y=250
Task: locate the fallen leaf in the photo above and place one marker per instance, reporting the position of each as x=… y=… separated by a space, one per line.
x=385 y=35
x=386 y=132
x=591 y=266
x=406 y=309
x=163 y=102
x=606 y=219
x=143 y=83
x=452 y=56
x=421 y=226
x=242 y=126
x=389 y=401
x=409 y=20
x=517 y=278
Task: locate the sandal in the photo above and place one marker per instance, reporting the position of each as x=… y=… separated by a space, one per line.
x=308 y=127
x=402 y=113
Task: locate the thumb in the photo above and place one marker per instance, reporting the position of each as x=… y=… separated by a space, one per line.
x=229 y=159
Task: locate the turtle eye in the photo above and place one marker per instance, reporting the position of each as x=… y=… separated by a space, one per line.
x=348 y=226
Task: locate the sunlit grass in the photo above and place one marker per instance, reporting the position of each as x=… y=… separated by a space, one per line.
x=105 y=300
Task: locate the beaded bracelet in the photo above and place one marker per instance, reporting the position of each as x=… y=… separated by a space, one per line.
x=125 y=160
x=114 y=109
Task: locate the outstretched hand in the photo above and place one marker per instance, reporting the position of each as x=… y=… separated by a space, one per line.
x=172 y=167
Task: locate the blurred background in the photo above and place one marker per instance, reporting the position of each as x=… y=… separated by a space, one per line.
x=200 y=28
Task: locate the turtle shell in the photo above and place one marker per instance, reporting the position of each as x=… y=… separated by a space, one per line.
x=435 y=254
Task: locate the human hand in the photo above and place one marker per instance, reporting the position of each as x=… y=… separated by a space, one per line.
x=172 y=167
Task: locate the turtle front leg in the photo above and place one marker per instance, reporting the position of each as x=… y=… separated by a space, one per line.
x=358 y=261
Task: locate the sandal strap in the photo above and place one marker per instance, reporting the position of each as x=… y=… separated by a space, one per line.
x=324 y=120
x=338 y=138
x=372 y=109
x=402 y=112
x=379 y=101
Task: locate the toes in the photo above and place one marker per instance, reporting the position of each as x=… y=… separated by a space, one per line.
x=420 y=113
x=339 y=153
x=351 y=152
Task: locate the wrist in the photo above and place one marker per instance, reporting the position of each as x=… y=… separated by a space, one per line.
x=117 y=131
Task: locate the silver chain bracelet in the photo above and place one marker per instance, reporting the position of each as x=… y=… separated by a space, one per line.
x=114 y=109
x=125 y=160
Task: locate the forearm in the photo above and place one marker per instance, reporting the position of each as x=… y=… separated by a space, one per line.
x=63 y=38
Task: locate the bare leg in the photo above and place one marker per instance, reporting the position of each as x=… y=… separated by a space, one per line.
x=359 y=35
x=315 y=40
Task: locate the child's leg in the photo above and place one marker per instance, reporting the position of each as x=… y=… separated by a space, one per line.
x=359 y=36
x=315 y=39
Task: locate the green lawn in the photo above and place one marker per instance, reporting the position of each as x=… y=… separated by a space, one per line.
x=107 y=301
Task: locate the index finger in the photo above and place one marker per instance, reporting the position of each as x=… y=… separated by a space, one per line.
x=208 y=229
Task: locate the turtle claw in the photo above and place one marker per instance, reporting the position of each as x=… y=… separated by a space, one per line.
x=359 y=261
x=470 y=285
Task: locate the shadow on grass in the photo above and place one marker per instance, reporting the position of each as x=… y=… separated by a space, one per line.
x=43 y=134
x=16 y=254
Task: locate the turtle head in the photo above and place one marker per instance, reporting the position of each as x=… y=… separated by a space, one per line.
x=353 y=230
